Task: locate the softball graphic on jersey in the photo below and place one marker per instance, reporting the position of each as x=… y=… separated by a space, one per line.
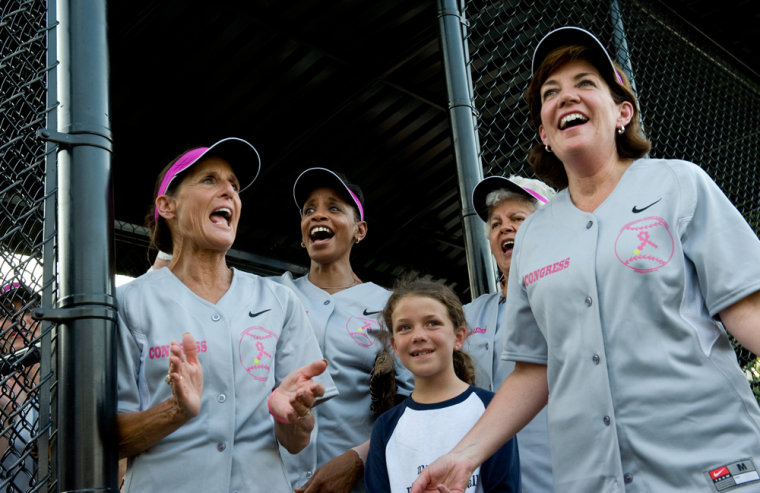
x=645 y=245
x=255 y=350
x=360 y=329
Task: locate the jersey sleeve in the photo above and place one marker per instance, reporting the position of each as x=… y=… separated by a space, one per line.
x=128 y=360
x=523 y=340
x=375 y=468
x=724 y=249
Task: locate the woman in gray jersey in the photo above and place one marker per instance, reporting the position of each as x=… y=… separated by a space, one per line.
x=240 y=382
x=343 y=311
x=504 y=204
x=617 y=291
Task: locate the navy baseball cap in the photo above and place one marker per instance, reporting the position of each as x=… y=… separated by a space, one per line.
x=491 y=183
x=572 y=35
x=313 y=178
x=240 y=154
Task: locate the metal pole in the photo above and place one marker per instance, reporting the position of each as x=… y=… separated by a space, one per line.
x=466 y=148
x=620 y=41
x=86 y=441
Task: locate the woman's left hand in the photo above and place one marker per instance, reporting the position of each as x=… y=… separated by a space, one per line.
x=296 y=395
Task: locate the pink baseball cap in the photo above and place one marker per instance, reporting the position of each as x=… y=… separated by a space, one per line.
x=314 y=178
x=571 y=35
x=241 y=156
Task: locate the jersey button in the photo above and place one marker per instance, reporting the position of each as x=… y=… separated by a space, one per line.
x=628 y=478
x=327 y=302
x=221 y=398
x=588 y=301
x=596 y=359
x=607 y=420
x=216 y=317
x=589 y=224
x=221 y=446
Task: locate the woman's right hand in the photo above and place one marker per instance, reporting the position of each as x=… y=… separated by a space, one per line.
x=448 y=473
x=186 y=376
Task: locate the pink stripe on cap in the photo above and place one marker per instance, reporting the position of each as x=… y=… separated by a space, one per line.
x=358 y=203
x=535 y=194
x=180 y=165
x=9 y=286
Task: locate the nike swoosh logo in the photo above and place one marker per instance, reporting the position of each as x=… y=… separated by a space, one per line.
x=370 y=313
x=636 y=210
x=251 y=314
x=719 y=472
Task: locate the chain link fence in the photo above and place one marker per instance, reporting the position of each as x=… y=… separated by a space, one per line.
x=674 y=68
x=697 y=103
x=25 y=375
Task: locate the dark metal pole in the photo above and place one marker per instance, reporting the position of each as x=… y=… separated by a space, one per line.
x=466 y=146
x=87 y=455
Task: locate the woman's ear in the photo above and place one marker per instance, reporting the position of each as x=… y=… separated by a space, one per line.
x=542 y=134
x=165 y=206
x=360 y=232
x=626 y=113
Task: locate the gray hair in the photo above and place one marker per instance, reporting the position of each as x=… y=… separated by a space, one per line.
x=496 y=197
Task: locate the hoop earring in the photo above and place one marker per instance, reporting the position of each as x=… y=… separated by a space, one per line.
x=548 y=149
x=302 y=245
x=621 y=129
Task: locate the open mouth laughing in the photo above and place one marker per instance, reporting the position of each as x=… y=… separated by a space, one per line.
x=318 y=233
x=572 y=120
x=222 y=215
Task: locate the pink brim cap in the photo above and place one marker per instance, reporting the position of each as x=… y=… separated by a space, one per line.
x=491 y=183
x=313 y=178
x=240 y=154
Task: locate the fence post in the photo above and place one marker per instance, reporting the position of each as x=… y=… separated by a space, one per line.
x=86 y=442
x=466 y=147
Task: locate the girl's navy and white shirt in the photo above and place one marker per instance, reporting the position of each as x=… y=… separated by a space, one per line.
x=409 y=437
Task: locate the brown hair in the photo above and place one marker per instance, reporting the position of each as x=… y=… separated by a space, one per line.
x=160 y=234
x=632 y=144
x=463 y=365
x=382 y=382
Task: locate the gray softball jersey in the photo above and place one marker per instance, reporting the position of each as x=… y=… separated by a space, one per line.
x=645 y=393
x=247 y=342
x=347 y=326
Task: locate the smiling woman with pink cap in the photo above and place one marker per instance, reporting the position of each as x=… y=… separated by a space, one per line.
x=216 y=426
x=617 y=290
x=343 y=311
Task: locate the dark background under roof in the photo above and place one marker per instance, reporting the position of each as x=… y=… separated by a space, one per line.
x=355 y=86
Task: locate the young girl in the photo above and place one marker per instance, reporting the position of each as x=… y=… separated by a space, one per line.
x=427 y=329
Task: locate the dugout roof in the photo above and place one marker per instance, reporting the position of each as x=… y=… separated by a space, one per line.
x=355 y=86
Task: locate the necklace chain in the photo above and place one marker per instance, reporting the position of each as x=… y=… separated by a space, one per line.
x=354 y=282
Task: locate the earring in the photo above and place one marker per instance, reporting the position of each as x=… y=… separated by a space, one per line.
x=302 y=245
x=548 y=149
x=621 y=129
